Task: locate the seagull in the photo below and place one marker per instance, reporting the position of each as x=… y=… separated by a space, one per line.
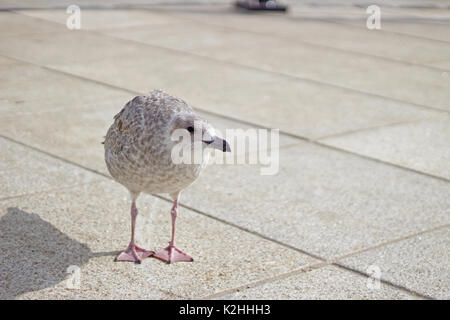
x=139 y=155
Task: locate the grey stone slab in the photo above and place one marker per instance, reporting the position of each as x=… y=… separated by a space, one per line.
x=31 y=90
x=99 y=4
x=311 y=110
x=66 y=46
x=430 y=30
x=24 y=171
x=72 y=134
x=111 y=58
x=422 y=146
x=301 y=107
x=420 y=263
x=95 y=19
x=129 y=64
x=6 y=62
x=199 y=38
x=325 y=33
x=422 y=23
x=412 y=84
x=13 y=24
x=335 y=12
x=358 y=72
x=326 y=283
x=88 y=226
x=410 y=11
x=325 y=202
x=445 y=65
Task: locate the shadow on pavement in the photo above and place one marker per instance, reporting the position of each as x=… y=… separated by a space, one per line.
x=35 y=255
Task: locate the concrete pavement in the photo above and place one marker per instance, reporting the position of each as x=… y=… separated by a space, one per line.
x=364 y=181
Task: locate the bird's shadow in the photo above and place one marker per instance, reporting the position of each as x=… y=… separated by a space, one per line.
x=35 y=255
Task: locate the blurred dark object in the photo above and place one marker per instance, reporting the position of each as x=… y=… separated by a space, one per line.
x=270 y=5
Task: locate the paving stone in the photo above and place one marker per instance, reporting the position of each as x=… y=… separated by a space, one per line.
x=32 y=90
x=245 y=94
x=420 y=263
x=313 y=111
x=23 y=171
x=329 y=283
x=14 y=24
x=88 y=226
x=444 y=65
x=435 y=31
x=94 y=19
x=421 y=146
x=357 y=72
x=325 y=33
x=325 y=202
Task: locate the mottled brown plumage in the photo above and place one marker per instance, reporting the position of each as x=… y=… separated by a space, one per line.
x=138 y=149
x=138 y=146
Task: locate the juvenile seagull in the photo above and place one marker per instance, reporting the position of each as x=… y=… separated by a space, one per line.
x=138 y=149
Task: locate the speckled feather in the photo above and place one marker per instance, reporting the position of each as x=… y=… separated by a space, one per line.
x=138 y=146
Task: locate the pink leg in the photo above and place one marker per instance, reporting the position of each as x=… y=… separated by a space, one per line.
x=171 y=253
x=134 y=253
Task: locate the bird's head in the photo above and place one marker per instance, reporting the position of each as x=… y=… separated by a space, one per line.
x=198 y=130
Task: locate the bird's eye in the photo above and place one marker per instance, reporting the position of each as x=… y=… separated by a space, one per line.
x=190 y=129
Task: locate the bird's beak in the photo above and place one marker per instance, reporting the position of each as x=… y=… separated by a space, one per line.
x=219 y=144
